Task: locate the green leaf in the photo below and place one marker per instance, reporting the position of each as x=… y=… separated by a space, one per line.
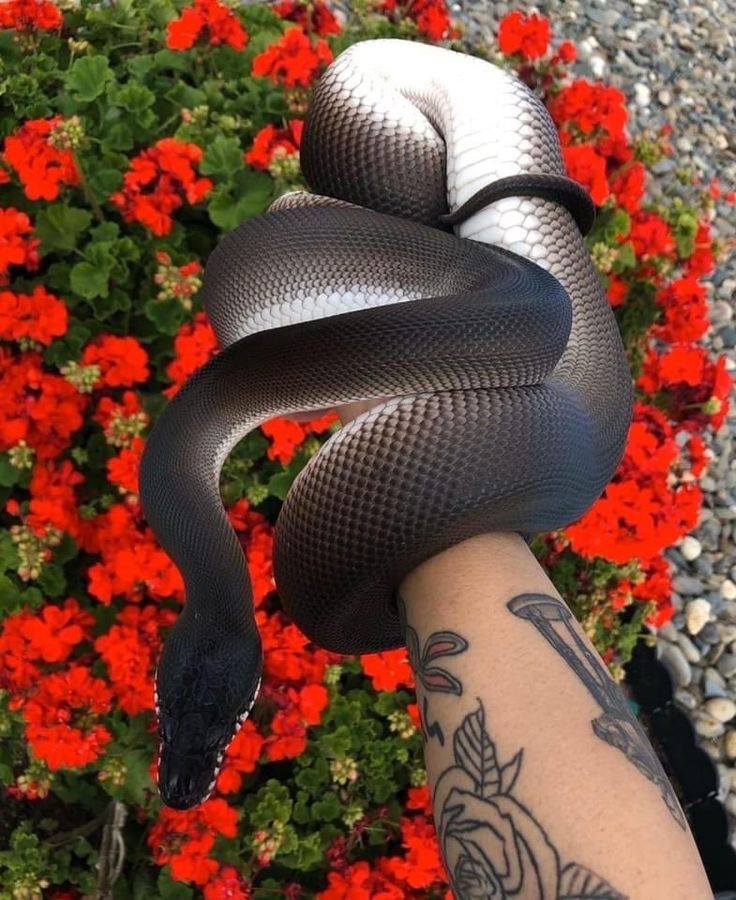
x=134 y=97
x=9 y=475
x=167 y=315
x=223 y=157
x=168 y=889
x=89 y=281
x=88 y=77
x=9 y=594
x=52 y=580
x=60 y=227
x=249 y=196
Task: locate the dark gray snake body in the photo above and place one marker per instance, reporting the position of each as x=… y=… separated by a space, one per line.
x=507 y=396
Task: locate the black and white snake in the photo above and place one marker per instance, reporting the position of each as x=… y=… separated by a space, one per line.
x=506 y=395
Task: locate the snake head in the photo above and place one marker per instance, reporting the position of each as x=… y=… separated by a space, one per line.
x=205 y=690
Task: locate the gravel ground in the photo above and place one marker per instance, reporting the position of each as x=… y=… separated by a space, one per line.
x=675 y=60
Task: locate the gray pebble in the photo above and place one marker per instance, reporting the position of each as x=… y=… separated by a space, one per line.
x=688 y=585
x=690 y=651
x=674 y=661
x=727 y=665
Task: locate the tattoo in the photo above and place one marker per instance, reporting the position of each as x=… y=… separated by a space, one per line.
x=617 y=725
x=492 y=845
x=432 y=677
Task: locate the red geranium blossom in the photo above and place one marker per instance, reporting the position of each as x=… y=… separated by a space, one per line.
x=628 y=186
x=42 y=168
x=683 y=303
x=270 y=141
x=39 y=316
x=430 y=16
x=18 y=246
x=588 y=167
x=526 y=35
x=184 y=839
x=122 y=470
x=220 y=23
x=122 y=360
x=194 y=345
x=293 y=60
x=227 y=885
x=595 y=109
x=60 y=723
x=38 y=407
x=26 y=15
x=313 y=16
x=389 y=670
x=158 y=182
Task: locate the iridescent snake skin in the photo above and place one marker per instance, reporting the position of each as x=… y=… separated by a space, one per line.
x=505 y=394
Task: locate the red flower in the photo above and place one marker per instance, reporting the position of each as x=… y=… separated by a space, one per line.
x=628 y=186
x=594 y=109
x=422 y=865
x=38 y=407
x=701 y=260
x=293 y=59
x=59 y=723
x=388 y=670
x=586 y=166
x=42 y=168
x=18 y=247
x=651 y=236
x=359 y=882
x=288 y=435
x=128 y=657
x=241 y=757
x=640 y=512
x=685 y=311
x=39 y=316
x=271 y=141
x=227 y=885
x=122 y=470
x=184 y=839
x=567 y=52
x=526 y=35
x=55 y=631
x=617 y=290
x=218 y=20
x=25 y=15
x=158 y=182
x=122 y=360
x=288 y=737
x=314 y=16
x=194 y=345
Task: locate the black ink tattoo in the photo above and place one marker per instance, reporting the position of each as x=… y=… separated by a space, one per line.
x=617 y=725
x=433 y=678
x=492 y=844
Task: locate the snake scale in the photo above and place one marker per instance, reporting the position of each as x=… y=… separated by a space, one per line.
x=438 y=266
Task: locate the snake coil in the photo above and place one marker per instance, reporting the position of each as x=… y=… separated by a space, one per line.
x=506 y=396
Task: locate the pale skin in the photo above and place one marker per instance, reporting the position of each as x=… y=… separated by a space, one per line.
x=543 y=786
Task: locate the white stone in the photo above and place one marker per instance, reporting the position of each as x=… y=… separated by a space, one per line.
x=690 y=548
x=721 y=708
x=728 y=590
x=642 y=94
x=697 y=613
x=709 y=727
x=729 y=747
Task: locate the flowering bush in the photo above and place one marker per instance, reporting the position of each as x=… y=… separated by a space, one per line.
x=133 y=136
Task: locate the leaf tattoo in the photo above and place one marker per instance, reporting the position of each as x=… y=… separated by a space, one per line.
x=432 y=677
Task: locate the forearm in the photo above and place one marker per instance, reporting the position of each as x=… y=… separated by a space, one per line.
x=539 y=773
